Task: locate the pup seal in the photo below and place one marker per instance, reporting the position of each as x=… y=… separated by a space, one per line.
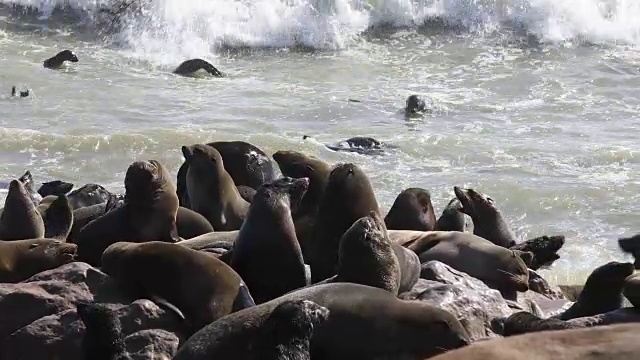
x=488 y=222
x=501 y=269
x=366 y=256
x=452 y=218
x=188 y=67
x=348 y=197
x=211 y=189
x=148 y=214
x=601 y=293
x=544 y=249
x=286 y=333
x=20 y=219
x=21 y=259
x=56 y=61
x=412 y=210
x=364 y=323
x=266 y=253
x=172 y=272
x=103 y=332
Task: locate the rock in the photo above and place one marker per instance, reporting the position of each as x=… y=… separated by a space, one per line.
x=467 y=298
x=38 y=316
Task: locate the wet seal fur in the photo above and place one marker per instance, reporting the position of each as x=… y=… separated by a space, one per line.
x=202 y=287
x=57 y=60
x=21 y=259
x=544 y=249
x=452 y=217
x=364 y=322
x=266 y=253
x=412 y=210
x=366 y=256
x=602 y=291
x=524 y=322
x=103 y=333
x=211 y=189
x=55 y=187
x=348 y=197
x=501 y=269
x=488 y=222
x=149 y=213
x=631 y=245
x=414 y=104
x=188 y=67
x=20 y=220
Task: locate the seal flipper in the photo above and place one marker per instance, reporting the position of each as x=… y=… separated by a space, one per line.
x=243 y=300
x=103 y=334
x=58 y=219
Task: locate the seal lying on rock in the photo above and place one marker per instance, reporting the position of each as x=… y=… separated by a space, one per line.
x=452 y=217
x=524 y=322
x=21 y=259
x=55 y=187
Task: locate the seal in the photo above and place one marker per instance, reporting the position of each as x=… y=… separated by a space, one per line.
x=247 y=165
x=172 y=272
x=363 y=323
x=21 y=259
x=23 y=94
x=631 y=245
x=544 y=249
x=58 y=218
x=148 y=214
x=452 y=218
x=618 y=342
x=348 y=197
x=266 y=253
x=55 y=188
x=412 y=210
x=602 y=291
x=211 y=189
x=191 y=224
x=286 y=333
x=90 y=194
x=103 y=338
x=188 y=67
x=507 y=272
x=20 y=219
x=414 y=105
x=525 y=322
x=359 y=144
x=488 y=222
x=27 y=181
x=246 y=193
x=58 y=60
x=366 y=256
x=631 y=289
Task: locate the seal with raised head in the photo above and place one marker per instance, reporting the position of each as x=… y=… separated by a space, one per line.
x=148 y=214
x=55 y=187
x=412 y=210
x=452 y=217
x=364 y=323
x=57 y=216
x=287 y=332
x=366 y=256
x=362 y=145
x=501 y=269
x=58 y=60
x=488 y=222
x=246 y=163
x=602 y=291
x=212 y=192
x=21 y=259
x=20 y=220
x=29 y=185
x=348 y=197
x=189 y=67
x=202 y=287
x=266 y=253
x=544 y=249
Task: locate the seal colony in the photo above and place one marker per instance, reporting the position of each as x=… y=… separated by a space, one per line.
x=307 y=265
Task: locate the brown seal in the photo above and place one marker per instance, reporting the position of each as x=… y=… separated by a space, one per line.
x=21 y=259
x=452 y=217
x=366 y=256
x=364 y=323
x=524 y=322
x=631 y=245
x=544 y=249
x=348 y=197
x=58 y=217
x=488 y=222
x=631 y=289
x=211 y=189
x=148 y=214
x=20 y=220
x=619 y=342
x=501 y=269
x=412 y=210
x=266 y=253
x=202 y=287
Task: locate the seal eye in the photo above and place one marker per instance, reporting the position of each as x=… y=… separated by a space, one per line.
x=33 y=246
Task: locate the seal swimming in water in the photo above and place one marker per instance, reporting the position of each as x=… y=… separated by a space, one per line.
x=414 y=104
x=172 y=272
x=21 y=259
x=501 y=269
x=149 y=213
x=364 y=323
x=211 y=189
x=23 y=94
x=359 y=144
x=188 y=67
x=412 y=210
x=56 y=61
x=266 y=253
x=20 y=220
x=348 y=197
x=488 y=222
x=602 y=291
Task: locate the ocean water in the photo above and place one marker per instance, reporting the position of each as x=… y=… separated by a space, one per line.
x=534 y=102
